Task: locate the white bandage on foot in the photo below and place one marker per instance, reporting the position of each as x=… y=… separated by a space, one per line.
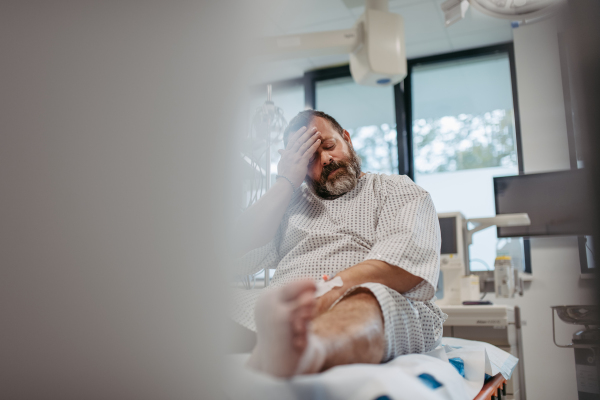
x=313 y=357
x=324 y=287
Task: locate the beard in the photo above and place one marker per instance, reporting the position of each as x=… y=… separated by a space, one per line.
x=343 y=181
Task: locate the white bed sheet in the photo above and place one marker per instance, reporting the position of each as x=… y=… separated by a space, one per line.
x=397 y=379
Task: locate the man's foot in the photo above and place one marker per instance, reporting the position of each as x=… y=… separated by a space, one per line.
x=282 y=319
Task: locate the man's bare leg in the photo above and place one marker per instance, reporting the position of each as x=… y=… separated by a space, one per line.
x=351 y=332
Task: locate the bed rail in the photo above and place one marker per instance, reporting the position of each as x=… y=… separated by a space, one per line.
x=493 y=389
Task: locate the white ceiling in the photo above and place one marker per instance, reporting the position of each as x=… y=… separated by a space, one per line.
x=423 y=20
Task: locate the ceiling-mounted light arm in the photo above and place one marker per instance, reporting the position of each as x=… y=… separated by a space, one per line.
x=503 y=220
x=313 y=44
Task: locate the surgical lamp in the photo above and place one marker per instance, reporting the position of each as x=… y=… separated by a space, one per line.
x=522 y=11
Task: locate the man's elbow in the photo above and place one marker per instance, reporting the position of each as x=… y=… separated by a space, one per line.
x=410 y=283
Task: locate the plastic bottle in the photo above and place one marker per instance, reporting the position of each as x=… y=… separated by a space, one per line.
x=504 y=277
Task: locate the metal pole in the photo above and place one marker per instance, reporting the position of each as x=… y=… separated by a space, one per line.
x=522 y=392
x=268 y=137
x=268 y=167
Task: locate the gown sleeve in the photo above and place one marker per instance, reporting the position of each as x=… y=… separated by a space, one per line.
x=408 y=234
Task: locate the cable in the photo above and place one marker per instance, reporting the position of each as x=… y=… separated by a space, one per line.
x=483 y=262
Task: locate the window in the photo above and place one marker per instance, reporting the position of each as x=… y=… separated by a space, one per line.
x=464 y=134
x=368 y=114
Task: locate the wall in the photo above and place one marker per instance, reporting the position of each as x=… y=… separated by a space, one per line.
x=549 y=370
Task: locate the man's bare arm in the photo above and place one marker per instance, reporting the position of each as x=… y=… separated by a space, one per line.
x=259 y=223
x=370 y=271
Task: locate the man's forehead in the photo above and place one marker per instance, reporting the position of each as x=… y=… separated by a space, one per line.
x=323 y=126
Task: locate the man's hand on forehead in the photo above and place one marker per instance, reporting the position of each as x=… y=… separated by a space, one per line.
x=301 y=136
x=302 y=144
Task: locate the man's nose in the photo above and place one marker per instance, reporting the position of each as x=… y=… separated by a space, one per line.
x=326 y=158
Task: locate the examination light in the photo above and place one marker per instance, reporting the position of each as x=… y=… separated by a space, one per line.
x=514 y=10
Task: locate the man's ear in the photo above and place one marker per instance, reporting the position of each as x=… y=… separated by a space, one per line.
x=346 y=136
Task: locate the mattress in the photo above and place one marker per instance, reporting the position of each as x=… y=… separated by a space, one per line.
x=455 y=370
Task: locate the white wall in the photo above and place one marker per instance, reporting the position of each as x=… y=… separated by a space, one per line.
x=543 y=121
x=549 y=370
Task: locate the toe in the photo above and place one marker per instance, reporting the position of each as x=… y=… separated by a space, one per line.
x=305 y=300
x=297 y=289
x=299 y=342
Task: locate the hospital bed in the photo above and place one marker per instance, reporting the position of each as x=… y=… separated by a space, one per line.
x=458 y=369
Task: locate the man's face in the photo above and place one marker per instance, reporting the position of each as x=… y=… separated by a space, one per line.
x=334 y=169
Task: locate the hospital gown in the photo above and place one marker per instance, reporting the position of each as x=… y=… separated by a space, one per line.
x=385 y=217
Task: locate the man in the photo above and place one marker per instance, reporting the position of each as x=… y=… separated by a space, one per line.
x=378 y=233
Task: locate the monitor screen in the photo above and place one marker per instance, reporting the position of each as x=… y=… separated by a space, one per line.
x=449 y=239
x=557 y=203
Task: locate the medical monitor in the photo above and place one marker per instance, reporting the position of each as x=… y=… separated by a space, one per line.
x=453 y=229
x=449 y=235
x=557 y=203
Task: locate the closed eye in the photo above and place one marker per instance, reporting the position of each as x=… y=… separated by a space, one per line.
x=326 y=147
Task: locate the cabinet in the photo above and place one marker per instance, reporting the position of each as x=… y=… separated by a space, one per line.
x=495 y=324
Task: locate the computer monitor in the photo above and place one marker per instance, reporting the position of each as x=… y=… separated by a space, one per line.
x=557 y=203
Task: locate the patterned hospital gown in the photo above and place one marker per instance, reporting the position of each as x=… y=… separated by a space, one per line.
x=385 y=217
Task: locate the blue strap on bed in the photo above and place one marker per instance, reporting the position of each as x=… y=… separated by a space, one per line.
x=459 y=364
x=432 y=383
x=429 y=381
